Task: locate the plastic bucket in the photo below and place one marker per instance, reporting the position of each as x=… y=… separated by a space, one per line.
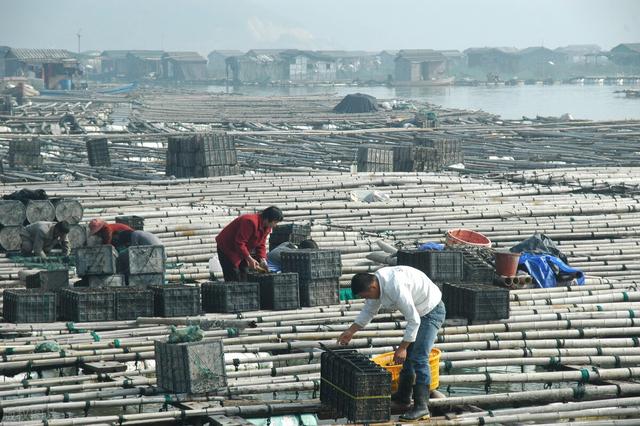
x=507 y=263
x=466 y=237
x=386 y=360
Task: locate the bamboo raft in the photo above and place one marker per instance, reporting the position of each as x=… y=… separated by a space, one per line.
x=552 y=337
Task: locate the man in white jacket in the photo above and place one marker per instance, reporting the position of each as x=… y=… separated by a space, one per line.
x=411 y=292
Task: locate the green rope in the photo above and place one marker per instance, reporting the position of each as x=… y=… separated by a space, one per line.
x=72 y=328
x=96 y=337
x=9 y=351
x=447 y=365
x=204 y=370
x=579 y=391
x=47 y=347
x=554 y=362
x=232 y=332
x=585 y=375
x=116 y=343
x=49 y=263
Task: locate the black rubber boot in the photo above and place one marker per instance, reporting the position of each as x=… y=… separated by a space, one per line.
x=420 y=410
x=405 y=390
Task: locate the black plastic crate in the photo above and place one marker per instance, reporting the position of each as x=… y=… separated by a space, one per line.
x=320 y=292
x=175 y=300
x=88 y=304
x=193 y=367
x=97 y=260
x=98 y=152
x=476 y=269
x=26 y=306
x=218 y=296
x=476 y=301
x=134 y=222
x=354 y=387
x=438 y=265
x=295 y=233
x=278 y=291
x=312 y=264
x=52 y=280
x=132 y=303
x=145 y=280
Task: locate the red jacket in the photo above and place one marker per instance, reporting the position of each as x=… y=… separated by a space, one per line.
x=245 y=234
x=111 y=228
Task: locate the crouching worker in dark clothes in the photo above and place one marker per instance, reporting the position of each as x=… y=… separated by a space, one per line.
x=420 y=301
x=274 y=258
x=242 y=243
x=40 y=237
x=122 y=240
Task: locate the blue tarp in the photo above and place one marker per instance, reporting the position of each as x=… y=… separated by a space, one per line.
x=543 y=269
x=431 y=246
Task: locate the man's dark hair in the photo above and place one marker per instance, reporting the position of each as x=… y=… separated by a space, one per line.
x=62 y=227
x=272 y=213
x=361 y=282
x=308 y=244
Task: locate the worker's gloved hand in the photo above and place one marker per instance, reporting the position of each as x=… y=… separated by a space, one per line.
x=263 y=265
x=400 y=355
x=252 y=263
x=345 y=337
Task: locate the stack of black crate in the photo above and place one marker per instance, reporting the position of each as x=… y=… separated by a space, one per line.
x=146 y=266
x=53 y=280
x=278 y=291
x=98 y=152
x=97 y=266
x=436 y=153
x=294 y=233
x=476 y=301
x=374 y=159
x=202 y=155
x=29 y=305
x=439 y=265
x=25 y=152
x=318 y=274
x=230 y=297
x=354 y=387
x=176 y=300
x=88 y=304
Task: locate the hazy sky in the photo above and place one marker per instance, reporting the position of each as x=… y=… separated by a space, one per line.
x=205 y=25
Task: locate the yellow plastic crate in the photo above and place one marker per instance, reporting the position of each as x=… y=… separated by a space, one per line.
x=386 y=360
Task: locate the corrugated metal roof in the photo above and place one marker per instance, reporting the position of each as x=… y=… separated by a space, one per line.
x=631 y=46
x=420 y=55
x=146 y=54
x=184 y=56
x=40 y=55
x=226 y=53
x=347 y=53
x=115 y=54
x=491 y=49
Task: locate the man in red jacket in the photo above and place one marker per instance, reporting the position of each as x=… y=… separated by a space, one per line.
x=242 y=243
x=106 y=230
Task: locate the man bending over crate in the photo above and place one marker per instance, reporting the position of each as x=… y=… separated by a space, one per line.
x=40 y=237
x=420 y=301
x=242 y=243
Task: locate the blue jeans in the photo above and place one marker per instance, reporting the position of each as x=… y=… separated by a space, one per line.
x=417 y=361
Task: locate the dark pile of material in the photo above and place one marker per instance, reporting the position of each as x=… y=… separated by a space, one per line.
x=357 y=103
